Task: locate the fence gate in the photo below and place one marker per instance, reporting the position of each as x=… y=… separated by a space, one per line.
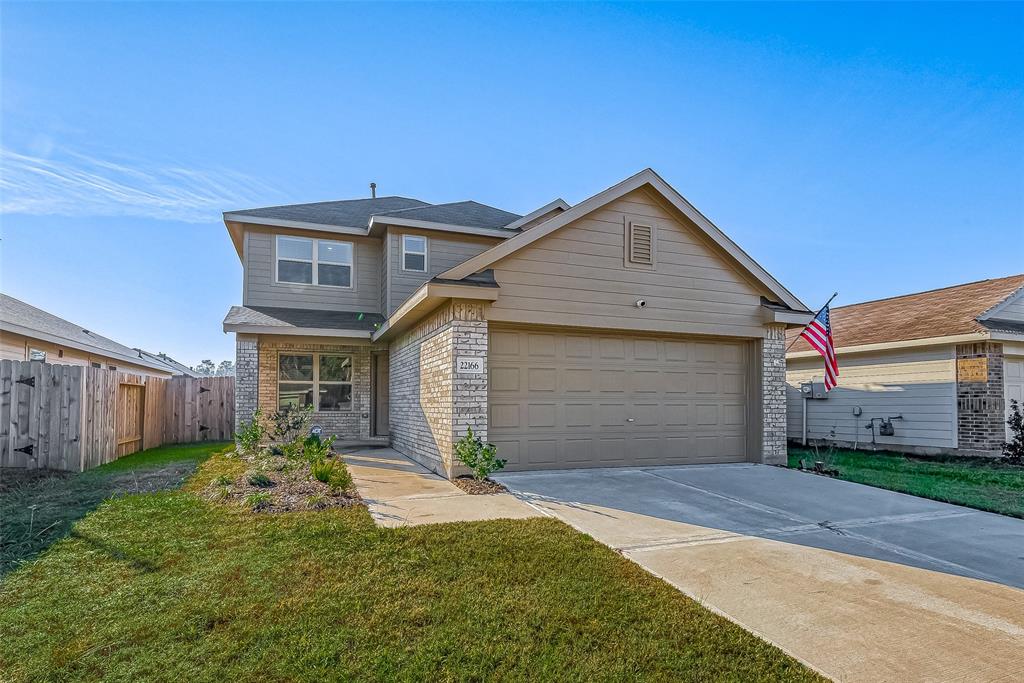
x=131 y=411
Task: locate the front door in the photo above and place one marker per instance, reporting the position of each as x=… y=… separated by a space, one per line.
x=379 y=407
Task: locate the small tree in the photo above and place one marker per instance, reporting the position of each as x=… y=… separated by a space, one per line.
x=478 y=456
x=1013 y=452
x=291 y=422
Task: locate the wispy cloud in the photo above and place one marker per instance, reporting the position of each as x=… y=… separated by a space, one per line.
x=67 y=183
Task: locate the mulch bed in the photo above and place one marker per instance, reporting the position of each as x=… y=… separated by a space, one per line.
x=292 y=487
x=476 y=487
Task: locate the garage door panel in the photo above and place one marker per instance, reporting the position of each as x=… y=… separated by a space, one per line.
x=578 y=400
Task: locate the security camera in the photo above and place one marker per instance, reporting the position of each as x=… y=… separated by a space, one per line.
x=640 y=303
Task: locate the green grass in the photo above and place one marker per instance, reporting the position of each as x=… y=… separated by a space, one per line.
x=979 y=483
x=38 y=508
x=171 y=587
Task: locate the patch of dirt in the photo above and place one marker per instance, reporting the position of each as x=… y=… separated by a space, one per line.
x=291 y=488
x=477 y=487
x=16 y=477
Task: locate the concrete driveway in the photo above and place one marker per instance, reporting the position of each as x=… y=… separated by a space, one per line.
x=860 y=583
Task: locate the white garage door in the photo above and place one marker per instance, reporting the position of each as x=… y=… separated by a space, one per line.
x=1013 y=378
x=565 y=400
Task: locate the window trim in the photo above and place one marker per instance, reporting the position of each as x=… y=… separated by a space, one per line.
x=426 y=250
x=316 y=379
x=314 y=263
x=32 y=350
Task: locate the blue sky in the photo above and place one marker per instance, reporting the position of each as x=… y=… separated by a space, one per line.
x=872 y=149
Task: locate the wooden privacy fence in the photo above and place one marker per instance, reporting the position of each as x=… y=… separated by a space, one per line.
x=68 y=417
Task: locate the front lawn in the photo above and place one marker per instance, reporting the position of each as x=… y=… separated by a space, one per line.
x=171 y=586
x=975 y=482
x=37 y=508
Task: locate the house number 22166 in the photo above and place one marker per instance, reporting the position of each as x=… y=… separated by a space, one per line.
x=473 y=366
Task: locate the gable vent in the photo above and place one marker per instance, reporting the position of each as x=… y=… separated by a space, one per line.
x=641 y=244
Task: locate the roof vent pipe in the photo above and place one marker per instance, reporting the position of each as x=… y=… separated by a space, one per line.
x=373 y=190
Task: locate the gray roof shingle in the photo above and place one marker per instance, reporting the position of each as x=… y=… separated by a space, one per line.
x=14 y=312
x=470 y=214
x=356 y=213
x=349 y=213
x=272 y=316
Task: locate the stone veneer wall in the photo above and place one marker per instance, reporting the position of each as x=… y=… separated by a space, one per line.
x=246 y=378
x=431 y=403
x=347 y=425
x=980 y=406
x=773 y=395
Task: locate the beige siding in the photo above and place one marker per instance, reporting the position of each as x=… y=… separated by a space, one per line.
x=444 y=251
x=577 y=276
x=918 y=384
x=16 y=347
x=260 y=288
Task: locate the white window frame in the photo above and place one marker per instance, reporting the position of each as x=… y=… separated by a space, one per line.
x=36 y=352
x=316 y=379
x=314 y=262
x=426 y=249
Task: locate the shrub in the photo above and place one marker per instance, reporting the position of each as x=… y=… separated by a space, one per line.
x=478 y=456
x=290 y=422
x=259 y=500
x=259 y=480
x=315 y=449
x=1013 y=451
x=251 y=434
x=332 y=473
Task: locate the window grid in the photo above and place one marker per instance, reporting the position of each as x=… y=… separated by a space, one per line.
x=315 y=261
x=316 y=382
x=407 y=251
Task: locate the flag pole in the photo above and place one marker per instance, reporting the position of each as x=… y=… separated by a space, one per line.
x=797 y=338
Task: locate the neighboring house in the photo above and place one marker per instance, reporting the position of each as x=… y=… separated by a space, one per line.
x=30 y=333
x=174 y=366
x=625 y=330
x=946 y=361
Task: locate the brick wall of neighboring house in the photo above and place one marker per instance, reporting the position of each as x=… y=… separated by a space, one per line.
x=980 y=404
x=773 y=395
x=431 y=403
x=246 y=378
x=347 y=425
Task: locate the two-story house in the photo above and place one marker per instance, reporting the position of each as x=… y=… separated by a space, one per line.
x=624 y=330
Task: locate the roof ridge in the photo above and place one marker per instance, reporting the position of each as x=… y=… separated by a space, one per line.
x=928 y=291
x=431 y=206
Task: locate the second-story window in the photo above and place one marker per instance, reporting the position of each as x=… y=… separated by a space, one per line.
x=303 y=260
x=414 y=253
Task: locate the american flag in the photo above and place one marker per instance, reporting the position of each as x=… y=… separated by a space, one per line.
x=819 y=335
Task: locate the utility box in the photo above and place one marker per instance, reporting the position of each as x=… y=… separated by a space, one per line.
x=815 y=390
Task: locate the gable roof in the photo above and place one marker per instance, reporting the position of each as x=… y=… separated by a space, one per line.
x=18 y=317
x=645 y=177
x=935 y=313
x=358 y=213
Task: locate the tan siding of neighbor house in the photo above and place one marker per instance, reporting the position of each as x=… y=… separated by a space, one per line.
x=260 y=288
x=1013 y=309
x=918 y=384
x=444 y=251
x=16 y=347
x=578 y=276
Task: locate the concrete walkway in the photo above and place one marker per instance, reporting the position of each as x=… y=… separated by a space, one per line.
x=400 y=492
x=859 y=583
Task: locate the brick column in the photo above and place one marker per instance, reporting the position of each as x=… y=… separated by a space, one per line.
x=980 y=400
x=773 y=395
x=469 y=390
x=247 y=364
